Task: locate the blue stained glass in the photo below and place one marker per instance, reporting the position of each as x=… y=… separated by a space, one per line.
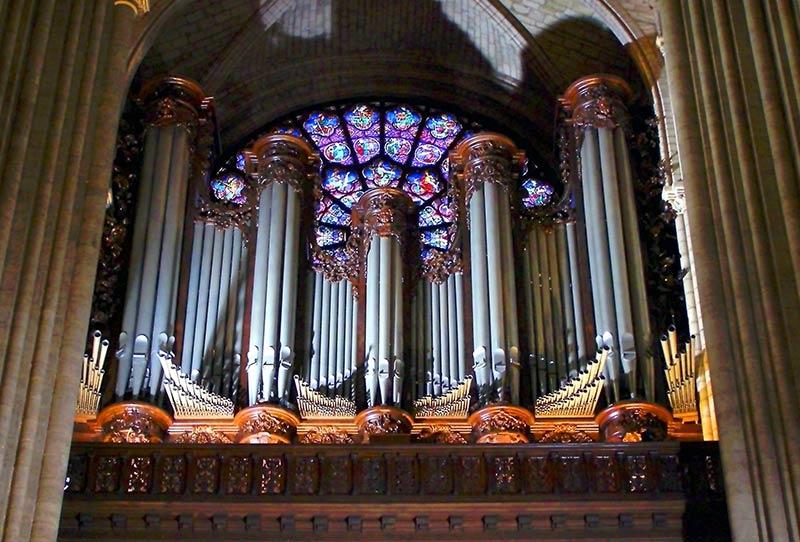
x=229 y=187
x=537 y=193
x=443 y=126
x=240 y=161
x=422 y=185
x=328 y=211
x=398 y=149
x=337 y=152
x=445 y=167
x=321 y=124
x=426 y=155
x=430 y=216
x=361 y=117
x=439 y=238
x=446 y=207
x=382 y=173
x=366 y=148
x=329 y=236
x=340 y=181
x=350 y=199
x=289 y=130
x=403 y=118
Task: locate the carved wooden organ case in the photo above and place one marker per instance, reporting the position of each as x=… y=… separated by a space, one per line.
x=378 y=269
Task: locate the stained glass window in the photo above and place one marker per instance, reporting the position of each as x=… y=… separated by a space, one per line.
x=372 y=145
x=536 y=194
x=229 y=187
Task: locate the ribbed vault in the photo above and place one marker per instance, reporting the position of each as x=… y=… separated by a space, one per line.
x=505 y=60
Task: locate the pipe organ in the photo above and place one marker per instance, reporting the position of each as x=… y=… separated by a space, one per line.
x=347 y=263
x=380 y=219
x=437 y=350
x=174 y=109
x=486 y=165
x=606 y=193
x=282 y=166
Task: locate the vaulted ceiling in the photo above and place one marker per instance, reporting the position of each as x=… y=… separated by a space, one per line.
x=502 y=61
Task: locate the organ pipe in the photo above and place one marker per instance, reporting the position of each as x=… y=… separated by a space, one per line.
x=151 y=296
x=379 y=224
x=597 y=114
x=215 y=309
x=274 y=304
x=485 y=166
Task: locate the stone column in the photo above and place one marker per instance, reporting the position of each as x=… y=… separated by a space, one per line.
x=62 y=82
x=734 y=83
x=381 y=221
x=598 y=114
x=487 y=167
x=173 y=108
x=285 y=168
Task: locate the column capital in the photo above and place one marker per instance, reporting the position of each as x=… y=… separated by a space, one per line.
x=173 y=100
x=597 y=101
x=485 y=157
x=282 y=158
x=383 y=212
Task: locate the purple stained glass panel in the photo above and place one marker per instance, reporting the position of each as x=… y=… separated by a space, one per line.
x=382 y=173
x=327 y=236
x=398 y=149
x=326 y=210
x=440 y=130
x=422 y=185
x=445 y=167
x=229 y=187
x=537 y=193
x=426 y=155
x=341 y=181
x=439 y=238
x=366 y=148
x=338 y=152
x=361 y=118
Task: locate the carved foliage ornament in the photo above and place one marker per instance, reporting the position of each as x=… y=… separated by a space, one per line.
x=485 y=158
x=264 y=423
x=326 y=435
x=169 y=101
x=202 y=435
x=597 y=101
x=565 y=433
x=131 y=427
x=282 y=158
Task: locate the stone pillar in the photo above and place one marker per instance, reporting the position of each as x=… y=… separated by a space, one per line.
x=173 y=107
x=62 y=83
x=598 y=114
x=381 y=226
x=486 y=167
x=285 y=168
x=734 y=83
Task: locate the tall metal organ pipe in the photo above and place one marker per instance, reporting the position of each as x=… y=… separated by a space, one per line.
x=486 y=165
x=285 y=168
x=212 y=337
x=151 y=296
x=554 y=306
x=597 y=108
x=380 y=221
x=437 y=370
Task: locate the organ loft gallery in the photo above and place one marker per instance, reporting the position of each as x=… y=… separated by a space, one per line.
x=411 y=269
